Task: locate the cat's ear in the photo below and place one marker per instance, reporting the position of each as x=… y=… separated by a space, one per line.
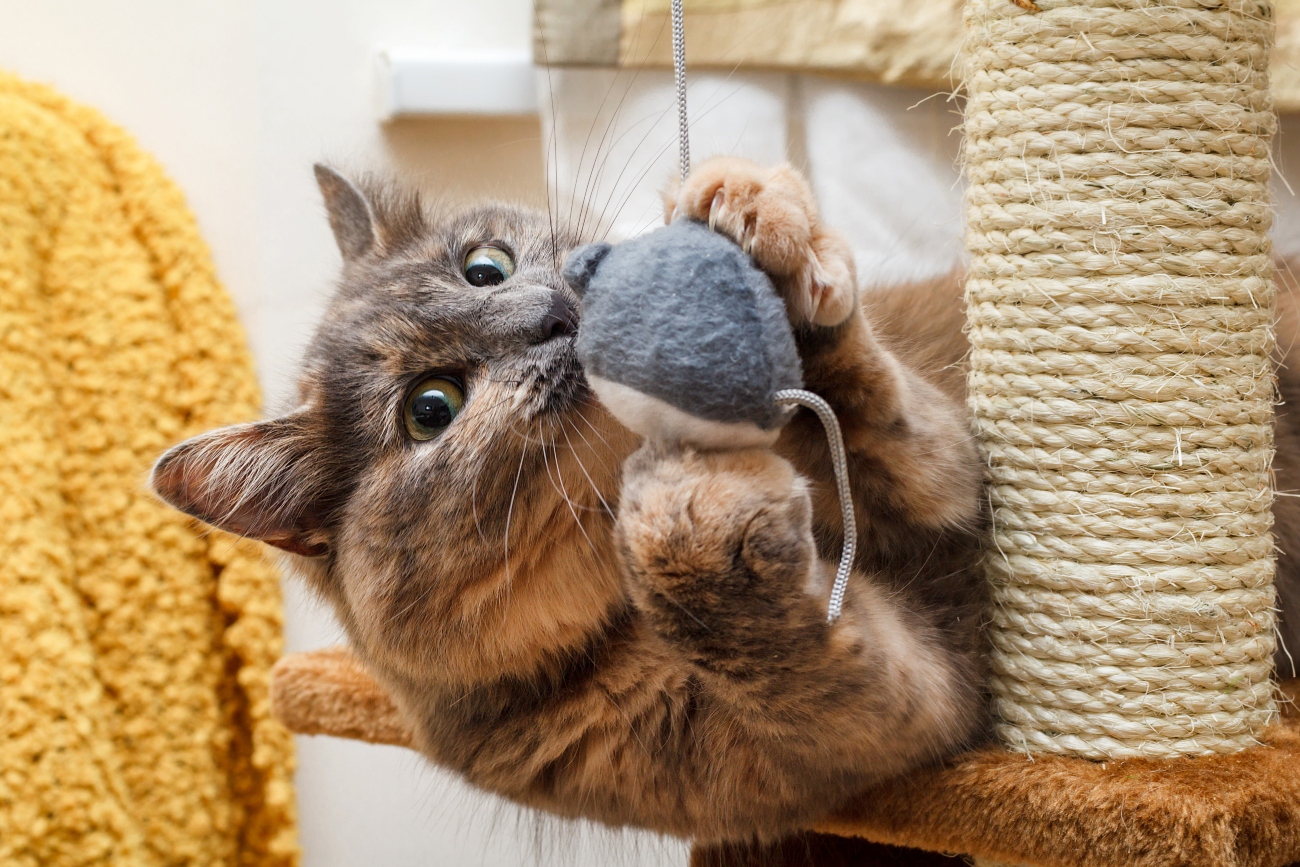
x=264 y=481
x=356 y=230
x=582 y=264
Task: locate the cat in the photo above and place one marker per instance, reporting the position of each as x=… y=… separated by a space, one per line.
x=593 y=626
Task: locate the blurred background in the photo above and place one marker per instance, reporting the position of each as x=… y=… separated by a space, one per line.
x=237 y=99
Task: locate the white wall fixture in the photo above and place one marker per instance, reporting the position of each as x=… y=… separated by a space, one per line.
x=413 y=82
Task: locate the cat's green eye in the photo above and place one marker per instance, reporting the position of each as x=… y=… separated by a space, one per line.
x=432 y=406
x=488 y=266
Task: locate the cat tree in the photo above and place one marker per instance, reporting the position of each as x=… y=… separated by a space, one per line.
x=1120 y=301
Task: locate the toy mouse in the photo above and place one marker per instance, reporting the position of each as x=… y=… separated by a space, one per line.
x=684 y=339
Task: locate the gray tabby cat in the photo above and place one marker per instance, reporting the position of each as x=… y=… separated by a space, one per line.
x=603 y=629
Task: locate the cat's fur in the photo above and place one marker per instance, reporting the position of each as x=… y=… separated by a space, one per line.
x=628 y=634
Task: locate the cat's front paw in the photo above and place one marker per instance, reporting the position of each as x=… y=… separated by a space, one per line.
x=771 y=213
x=715 y=538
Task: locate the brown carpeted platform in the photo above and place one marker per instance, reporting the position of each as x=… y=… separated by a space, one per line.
x=1222 y=811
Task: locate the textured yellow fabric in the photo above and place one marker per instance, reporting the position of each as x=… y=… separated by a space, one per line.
x=135 y=648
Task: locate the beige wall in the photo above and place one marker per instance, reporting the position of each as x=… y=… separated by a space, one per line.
x=237 y=99
x=467 y=158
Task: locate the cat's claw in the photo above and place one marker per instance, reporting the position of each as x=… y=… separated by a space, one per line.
x=717 y=212
x=772 y=215
x=716 y=205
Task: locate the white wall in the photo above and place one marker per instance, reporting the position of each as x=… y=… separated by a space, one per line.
x=237 y=99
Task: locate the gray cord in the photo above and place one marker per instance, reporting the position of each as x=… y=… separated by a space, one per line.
x=840 y=463
x=679 y=73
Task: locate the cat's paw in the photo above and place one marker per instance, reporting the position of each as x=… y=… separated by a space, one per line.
x=704 y=526
x=771 y=213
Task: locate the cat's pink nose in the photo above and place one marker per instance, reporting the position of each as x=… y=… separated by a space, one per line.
x=560 y=319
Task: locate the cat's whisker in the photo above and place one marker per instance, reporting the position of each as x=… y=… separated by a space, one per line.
x=625 y=196
x=596 y=431
x=551 y=158
x=510 y=512
x=506 y=589
x=602 y=156
x=616 y=190
x=594 y=488
x=623 y=203
x=593 y=181
x=590 y=131
x=564 y=494
x=591 y=447
x=609 y=447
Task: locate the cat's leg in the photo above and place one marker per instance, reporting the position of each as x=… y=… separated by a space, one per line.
x=912 y=460
x=794 y=714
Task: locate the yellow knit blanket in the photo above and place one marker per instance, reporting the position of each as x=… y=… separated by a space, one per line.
x=135 y=648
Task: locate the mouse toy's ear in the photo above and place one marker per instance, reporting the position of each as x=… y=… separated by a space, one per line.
x=263 y=481
x=582 y=264
x=351 y=218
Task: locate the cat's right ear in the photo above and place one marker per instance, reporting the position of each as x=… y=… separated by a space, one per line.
x=581 y=265
x=351 y=217
x=263 y=481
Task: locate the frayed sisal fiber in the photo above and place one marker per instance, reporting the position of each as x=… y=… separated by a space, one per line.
x=135 y=648
x=1120 y=309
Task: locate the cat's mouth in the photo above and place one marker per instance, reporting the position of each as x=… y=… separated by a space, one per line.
x=556 y=383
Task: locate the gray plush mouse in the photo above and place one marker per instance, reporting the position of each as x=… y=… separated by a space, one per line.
x=683 y=338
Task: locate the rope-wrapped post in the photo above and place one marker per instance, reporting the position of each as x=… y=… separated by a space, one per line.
x=1120 y=312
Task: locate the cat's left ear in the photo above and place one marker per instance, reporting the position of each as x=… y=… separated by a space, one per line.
x=264 y=481
x=351 y=217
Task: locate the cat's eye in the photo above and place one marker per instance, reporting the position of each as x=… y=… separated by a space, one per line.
x=432 y=406
x=488 y=266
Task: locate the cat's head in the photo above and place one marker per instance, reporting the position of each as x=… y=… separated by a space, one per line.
x=446 y=479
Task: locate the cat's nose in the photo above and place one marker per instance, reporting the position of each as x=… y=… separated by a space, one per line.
x=560 y=319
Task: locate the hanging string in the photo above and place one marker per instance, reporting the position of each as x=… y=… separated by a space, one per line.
x=840 y=464
x=679 y=73
x=839 y=459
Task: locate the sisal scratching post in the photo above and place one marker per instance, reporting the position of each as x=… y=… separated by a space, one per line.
x=1120 y=306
